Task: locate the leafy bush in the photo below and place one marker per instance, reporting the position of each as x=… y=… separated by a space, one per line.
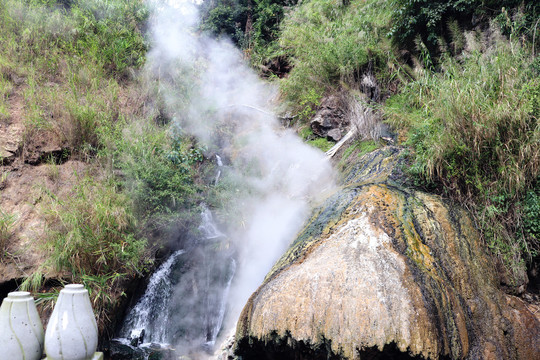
x=531 y=214
x=474 y=131
x=427 y=20
x=226 y=19
x=158 y=168
x=93 y=237
x=330 y=45
x=249 y=23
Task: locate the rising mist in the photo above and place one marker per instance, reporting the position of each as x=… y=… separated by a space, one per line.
x=210 y=93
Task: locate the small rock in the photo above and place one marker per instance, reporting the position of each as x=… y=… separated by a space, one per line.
x=330 y=117
x=334 y=134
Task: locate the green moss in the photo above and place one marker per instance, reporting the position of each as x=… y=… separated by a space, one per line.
x=322 y=144
x=366 y=147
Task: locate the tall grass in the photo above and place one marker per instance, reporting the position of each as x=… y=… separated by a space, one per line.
x=475 y=133
x=330 y=45
x=69 y=66
x=92 y=237
x=70 y=61
x=7 y=221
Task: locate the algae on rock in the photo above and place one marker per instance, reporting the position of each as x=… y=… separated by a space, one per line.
x=385 y=270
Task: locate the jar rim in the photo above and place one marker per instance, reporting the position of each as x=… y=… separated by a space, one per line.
x=74 y=287
x=18 y=294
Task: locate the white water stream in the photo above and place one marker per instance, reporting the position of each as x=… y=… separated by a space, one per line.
x=151 y=312
x=276 y=175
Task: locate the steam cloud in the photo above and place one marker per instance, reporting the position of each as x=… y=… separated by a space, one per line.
x=211 y=93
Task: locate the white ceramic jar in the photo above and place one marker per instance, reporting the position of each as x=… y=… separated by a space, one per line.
x=72 y=330
x=21 y=331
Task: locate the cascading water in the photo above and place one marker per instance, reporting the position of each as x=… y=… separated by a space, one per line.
x=144 y=321
x=218 y=173
x=185 y=299
x=270 y=179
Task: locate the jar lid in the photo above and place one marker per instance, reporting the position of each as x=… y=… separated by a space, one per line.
x=74 y=289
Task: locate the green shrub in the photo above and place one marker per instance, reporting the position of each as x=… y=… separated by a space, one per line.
x=531 y=216
x=426 y=19
x=226 y=19
x=474 y=131
x=159 y=169
x=431 y=22
x=330 y=45
x=230 y=18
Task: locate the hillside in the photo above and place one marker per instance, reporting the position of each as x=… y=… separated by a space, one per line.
x=99 y=179
x=79 y=202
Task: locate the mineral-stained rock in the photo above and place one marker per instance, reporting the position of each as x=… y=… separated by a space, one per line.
x=384 y=271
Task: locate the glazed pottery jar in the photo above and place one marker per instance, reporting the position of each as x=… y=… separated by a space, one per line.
x=21 y=332
x=72 y=330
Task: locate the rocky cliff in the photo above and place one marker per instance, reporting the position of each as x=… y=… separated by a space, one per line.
x=385 y=271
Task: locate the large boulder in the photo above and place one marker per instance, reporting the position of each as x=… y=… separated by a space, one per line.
x=385 y=271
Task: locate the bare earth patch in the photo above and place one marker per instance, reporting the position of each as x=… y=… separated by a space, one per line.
x=21 y=195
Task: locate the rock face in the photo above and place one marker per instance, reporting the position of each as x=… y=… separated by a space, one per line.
x=10 y=141
x=384 y=271
x=331 y=119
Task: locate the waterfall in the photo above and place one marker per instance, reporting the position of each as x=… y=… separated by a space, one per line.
x=208 y=228
x=221 y=310
x=272 y=177
x=152 y=310
x=218 y=173
x=185 y=300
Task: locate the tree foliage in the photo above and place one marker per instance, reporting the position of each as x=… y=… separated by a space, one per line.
x=247 y=22
x=427 y=20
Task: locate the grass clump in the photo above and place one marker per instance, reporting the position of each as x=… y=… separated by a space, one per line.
x=475 y=135
x=93 y=239
x=331 y=45
x=7 y=221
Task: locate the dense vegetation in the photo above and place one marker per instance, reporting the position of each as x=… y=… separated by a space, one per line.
x=251 y=24
x=460 y=83
x=473 y=128
x=71 y=65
